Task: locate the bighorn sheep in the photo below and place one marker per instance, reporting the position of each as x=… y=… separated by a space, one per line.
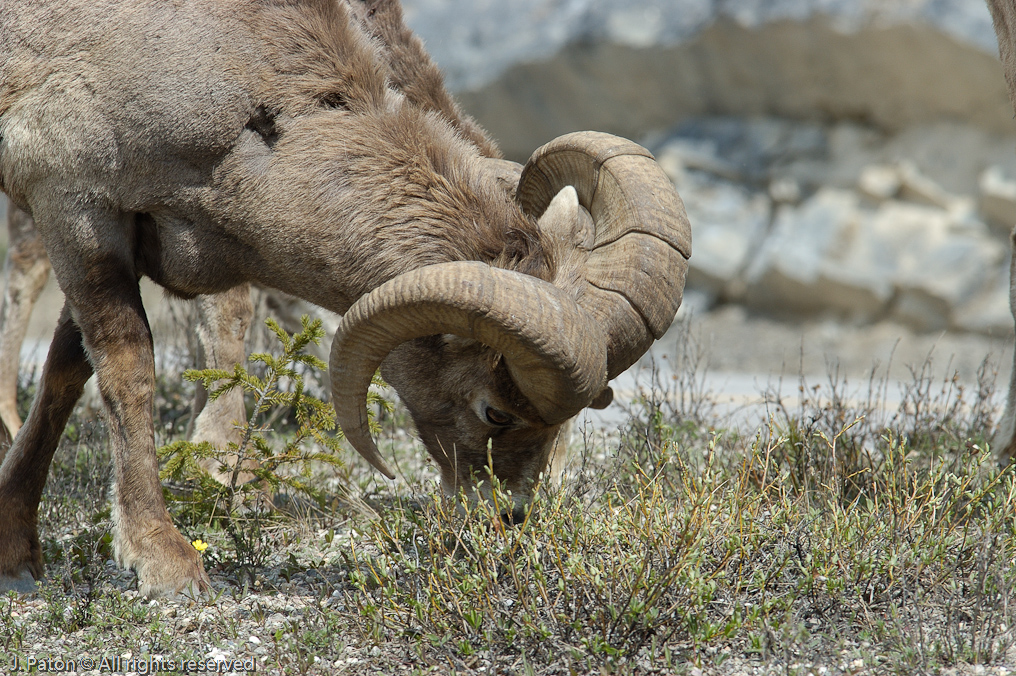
x=221 y=319
x=1005 y=437
x=211 y=144
x=26 y=270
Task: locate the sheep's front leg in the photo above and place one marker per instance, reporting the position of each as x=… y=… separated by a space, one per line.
x=93 y=258
x=24 y=469
x=26 y=269
x=112 y=319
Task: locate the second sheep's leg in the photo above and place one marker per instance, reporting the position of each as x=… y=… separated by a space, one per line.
x=1005 y=437
x=222 y=322
x=26 y=270
x=25 y=468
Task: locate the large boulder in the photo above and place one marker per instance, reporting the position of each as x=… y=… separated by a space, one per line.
x=801 y=220
x=915 y=263
x=820 y=258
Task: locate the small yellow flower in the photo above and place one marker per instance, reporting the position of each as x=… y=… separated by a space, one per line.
x=199 y=545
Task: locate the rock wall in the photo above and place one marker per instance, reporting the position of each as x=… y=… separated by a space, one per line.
x=818 y=73
x=475 y=41
x=797 y=220
x=533 y=69
x=852 y=158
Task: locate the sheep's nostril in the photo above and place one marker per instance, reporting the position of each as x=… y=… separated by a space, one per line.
x=515 y=517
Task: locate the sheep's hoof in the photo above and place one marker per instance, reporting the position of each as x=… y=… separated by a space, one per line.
x=193 y=587
x=177 y=572
x=23 y=583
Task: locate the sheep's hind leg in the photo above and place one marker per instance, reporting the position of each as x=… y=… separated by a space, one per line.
x=222 y=324
x=26 y=269
x=24 y=469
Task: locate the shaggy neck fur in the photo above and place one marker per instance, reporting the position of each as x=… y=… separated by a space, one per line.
x=386 y=171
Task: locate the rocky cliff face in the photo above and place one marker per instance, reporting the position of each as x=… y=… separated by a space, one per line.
x=804 y=219
x=478 y=40
x=852 y=158
x=533 y=69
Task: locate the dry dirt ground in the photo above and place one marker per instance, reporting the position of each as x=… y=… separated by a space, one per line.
x=742 y=351
x=745 y=362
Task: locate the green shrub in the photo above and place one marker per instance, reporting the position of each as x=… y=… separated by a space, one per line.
x=263 y=463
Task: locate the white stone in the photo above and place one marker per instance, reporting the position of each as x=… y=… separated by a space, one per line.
x=816 y=259
x=672 y=164
x=911 y=261
x=785 y=191
x=728 y=222
x=938 y=269
x=879 y=181
x=997 y=199
x=699 y=155
x=916 y=187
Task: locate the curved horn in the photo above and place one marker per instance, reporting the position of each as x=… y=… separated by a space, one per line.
x=639 y=257
x=552 y=348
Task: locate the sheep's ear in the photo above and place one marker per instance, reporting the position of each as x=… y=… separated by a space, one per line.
x=603 y=399
x=568 y=230
x=562 y=221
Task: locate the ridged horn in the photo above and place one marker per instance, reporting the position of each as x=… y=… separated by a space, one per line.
x=553 y=349
x=639 y=257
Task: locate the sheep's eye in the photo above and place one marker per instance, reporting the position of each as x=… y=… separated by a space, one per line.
x=496 y=417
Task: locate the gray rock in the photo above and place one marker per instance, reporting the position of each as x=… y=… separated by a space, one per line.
x=997 y=199
x=919 y=188
x=816 y=260
x=939 y=268
x=879 y=182
x=785 y=190
x=477 y=40
x=752 y=150
x=988 y=312
x=915 y=263
x=730 y=222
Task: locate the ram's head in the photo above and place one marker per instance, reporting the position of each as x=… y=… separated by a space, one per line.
x=487 y=356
